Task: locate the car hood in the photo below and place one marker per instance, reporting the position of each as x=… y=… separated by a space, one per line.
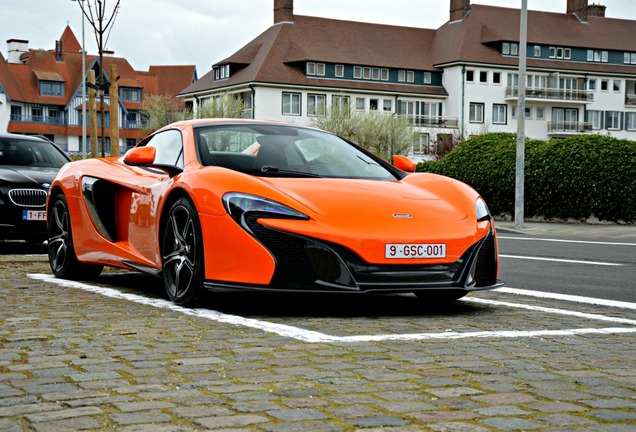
x=27 y=176
x=375 y=200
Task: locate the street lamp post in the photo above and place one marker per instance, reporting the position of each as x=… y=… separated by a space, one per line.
x=83 y=89
x=521 y=113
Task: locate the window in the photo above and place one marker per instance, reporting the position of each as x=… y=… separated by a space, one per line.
x=470 y=75
x=427 y=78
x=604 y=85
x=357 y=72
x=16 y=113
x=630 y=121
x=375 y=74
x=513 y=80
x=476 y=112
x=630 y=58
x=483 y=76
x=373 y=104
x=50 y=88
x=499 y=114
x=505 y=48
x=567 y=53
x=291 y=103
x=591 y=84
x=509 y=48
x=537 y=51
x=387 y=105
x=315 y=69
x=421 y=145
x=595 y=118
x=528 y=113
x=340 y=105
x=222 y=72
x=612 y=120
x=37 y=113
x=360 y=103
x=339 y=71
x=410 y=76
x=401 y=75
x=496 y=77
x=540 y=112
x=169 y=147
x=316 y=104
x=130 y=94
x=366 y=73
x=616 y=85
x=598 y=56
x=384 y=74
x=553 y=52
x=514 y=49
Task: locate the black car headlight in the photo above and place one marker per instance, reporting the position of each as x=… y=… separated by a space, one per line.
x=238 y=205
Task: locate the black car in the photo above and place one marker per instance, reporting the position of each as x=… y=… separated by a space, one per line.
x=28 y=165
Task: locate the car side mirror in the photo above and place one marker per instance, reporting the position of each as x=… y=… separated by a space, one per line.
x=140 y=155
x=403 y=163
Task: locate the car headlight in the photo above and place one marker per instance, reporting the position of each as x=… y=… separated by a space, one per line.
x=239 y=204
x=481 y=210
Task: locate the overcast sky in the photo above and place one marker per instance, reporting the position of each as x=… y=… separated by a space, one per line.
x=203 y=32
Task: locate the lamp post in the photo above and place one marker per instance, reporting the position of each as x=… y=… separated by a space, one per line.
x=521 y=113
x=83 y=89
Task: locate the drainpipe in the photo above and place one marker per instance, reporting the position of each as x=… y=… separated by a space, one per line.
x=196 y=114
x=253 y=102
x=463 y=102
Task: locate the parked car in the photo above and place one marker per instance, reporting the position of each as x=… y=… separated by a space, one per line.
x=28 y=165
x=254 y=205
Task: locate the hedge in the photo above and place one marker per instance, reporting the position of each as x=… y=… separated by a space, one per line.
x=574 y=178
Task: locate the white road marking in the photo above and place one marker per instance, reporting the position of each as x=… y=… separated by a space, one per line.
x=566 y=241
x=569 y=298
x=599 y=263
x=313 y=336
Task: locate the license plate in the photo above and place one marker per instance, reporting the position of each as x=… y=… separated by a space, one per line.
x=415 y=250
x=34 y=215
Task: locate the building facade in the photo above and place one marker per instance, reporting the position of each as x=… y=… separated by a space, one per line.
x=455 y=81
x=41 y=92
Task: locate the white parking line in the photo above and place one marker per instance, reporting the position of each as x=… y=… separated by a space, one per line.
x=313 y=336
x=600 y=263
x=565 y=241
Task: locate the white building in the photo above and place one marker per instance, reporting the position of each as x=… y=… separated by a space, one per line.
x=455 y=81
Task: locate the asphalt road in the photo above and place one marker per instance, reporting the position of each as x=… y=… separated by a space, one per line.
x=590 y=267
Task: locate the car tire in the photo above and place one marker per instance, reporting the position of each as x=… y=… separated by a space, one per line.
x=182 y=253
x=62 y=258
x=440 y=296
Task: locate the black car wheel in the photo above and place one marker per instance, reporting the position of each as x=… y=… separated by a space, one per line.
x=62 y=258
x=182 y=252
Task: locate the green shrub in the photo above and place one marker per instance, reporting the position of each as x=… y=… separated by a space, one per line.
x=577 y=177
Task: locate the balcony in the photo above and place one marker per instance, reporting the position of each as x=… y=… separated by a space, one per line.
x=431 y=121
x=630 y=99
x=564 y=128
x=553 y=94
x=52 y=120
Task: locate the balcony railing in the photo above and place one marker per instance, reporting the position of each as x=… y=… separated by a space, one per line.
x=430 y=121
x=568 y=127
x=552 y=93
x=630 y=99
x=28 y=118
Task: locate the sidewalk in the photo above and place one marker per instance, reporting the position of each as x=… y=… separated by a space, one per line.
x=614 y=231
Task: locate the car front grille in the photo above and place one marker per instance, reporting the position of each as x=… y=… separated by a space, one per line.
x=28 y=197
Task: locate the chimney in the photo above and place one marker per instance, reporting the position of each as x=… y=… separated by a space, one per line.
x=459 y=9
x=596 y=10
x=58 y=51
x=283 y=11
x=578 y=8
x=15 y=48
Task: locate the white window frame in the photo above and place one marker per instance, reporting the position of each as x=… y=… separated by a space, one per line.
x=500 y=114
x=291 y=104
x=476 y=112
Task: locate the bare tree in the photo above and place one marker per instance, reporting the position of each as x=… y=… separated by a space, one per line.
x=96 y=13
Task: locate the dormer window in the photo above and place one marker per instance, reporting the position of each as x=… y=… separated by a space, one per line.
x=222 y=72
x=315 y=69
x=51 y=88
x=130 y=94
x=510 y=48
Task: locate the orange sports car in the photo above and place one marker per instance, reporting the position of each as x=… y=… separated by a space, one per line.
x=229 y=204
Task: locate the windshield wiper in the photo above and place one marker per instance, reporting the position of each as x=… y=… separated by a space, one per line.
x=271 y=169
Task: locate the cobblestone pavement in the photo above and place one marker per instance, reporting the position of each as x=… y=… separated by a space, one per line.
x=75 y=360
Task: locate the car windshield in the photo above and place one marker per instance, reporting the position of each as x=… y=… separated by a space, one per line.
x=274 y=150
x=30 y=153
